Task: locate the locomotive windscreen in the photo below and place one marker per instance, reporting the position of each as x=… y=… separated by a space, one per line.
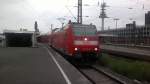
x=88 y=30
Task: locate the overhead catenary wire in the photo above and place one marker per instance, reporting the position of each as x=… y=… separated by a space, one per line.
x=71 y=13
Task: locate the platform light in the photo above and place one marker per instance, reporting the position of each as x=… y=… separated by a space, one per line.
x=75 y=49
x=95 y=49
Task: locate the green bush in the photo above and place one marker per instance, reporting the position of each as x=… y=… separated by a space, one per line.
x=133 y=69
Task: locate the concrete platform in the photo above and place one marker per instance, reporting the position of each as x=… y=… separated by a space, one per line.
x=127 y=52
x=20 y=65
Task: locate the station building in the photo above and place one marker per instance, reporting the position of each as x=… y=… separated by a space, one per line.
x=2 y=37
x=22 y=38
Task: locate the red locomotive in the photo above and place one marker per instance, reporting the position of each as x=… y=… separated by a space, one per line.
x=76 y=41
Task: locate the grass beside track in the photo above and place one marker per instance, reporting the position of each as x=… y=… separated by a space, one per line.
x=133 y=69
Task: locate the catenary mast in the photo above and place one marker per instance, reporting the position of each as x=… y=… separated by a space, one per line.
x=79 y=20
x=103 y=14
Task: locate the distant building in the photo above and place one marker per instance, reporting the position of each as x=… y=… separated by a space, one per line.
x=1 y=37
x=36 y=26
x=131 y=34
x=147 y=18
x=2 y=40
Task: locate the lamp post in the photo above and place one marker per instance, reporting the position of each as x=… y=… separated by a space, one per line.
x=116 y=21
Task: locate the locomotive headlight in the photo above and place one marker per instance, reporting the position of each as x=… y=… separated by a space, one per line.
x=95 y=49
x=85 y=39
x=75 y=49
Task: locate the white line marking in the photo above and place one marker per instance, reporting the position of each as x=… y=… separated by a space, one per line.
x=61 y=70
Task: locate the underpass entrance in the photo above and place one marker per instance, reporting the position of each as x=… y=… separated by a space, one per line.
x=19 y=38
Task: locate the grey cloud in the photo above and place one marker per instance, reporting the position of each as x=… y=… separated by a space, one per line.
x=10 y=1
x=18 y=13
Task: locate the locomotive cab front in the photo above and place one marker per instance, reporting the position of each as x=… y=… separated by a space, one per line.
x=85 y=42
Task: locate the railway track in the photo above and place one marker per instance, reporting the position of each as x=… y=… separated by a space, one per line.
x=97 y=76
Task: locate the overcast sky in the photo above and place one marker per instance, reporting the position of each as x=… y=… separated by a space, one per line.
x=16 y=14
